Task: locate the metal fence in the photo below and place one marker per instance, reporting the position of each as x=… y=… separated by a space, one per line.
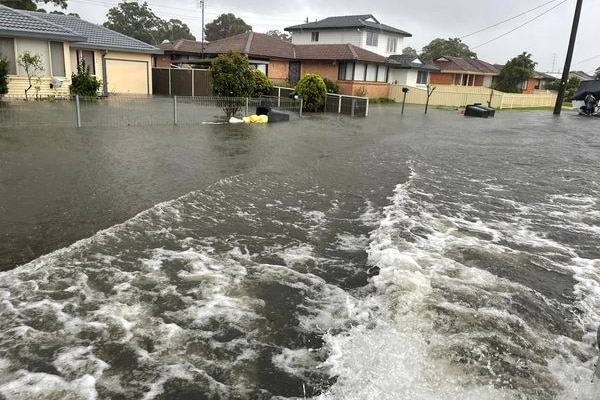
x=115 y=111
x=335 y=103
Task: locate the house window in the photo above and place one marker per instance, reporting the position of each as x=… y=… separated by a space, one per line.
x=372 y=38
x=422 y=77
x=391 y=45
x=85 y=55
x=314 y=37
x=464 y=80
x=346 y=71
x=35 y=48
x=360 y=70
x=7 y=50
x=382 y=73
x=57 y=57
x=371 y=73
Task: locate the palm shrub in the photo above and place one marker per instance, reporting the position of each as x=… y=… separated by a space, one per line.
x=82 y=83
x=231 y=80
x=3 y=75
x=262 y=84
x=311 y=88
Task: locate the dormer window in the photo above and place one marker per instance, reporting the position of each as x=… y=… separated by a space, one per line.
x=372 y=38
x=392 y=45
x=314 y=37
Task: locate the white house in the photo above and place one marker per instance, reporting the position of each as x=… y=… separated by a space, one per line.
x=363 y=31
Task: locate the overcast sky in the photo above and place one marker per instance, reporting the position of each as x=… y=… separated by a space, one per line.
x=546 y=37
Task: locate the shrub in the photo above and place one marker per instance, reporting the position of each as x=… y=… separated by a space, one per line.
x=331 y=86
x=3 y=75
x=231 y=77
x=313 y=91
x=262 y=85
x=360 y=91
x=84 y=84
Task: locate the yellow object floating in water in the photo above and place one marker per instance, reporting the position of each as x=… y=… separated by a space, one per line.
x=256 y=119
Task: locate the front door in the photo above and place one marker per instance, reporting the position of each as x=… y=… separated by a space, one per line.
x=294 y=74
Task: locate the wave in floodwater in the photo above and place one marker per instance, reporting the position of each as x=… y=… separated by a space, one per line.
x=267 y=287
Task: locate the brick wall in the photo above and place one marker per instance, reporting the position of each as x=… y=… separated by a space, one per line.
x=436 y=78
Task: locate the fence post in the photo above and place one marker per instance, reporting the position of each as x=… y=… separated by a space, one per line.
x=367 y=110
x=353 y=106
x=247 y=101
x=339 y=104
x=279 y=96
x=301 y=106
x=78 y=111
x=175 y=110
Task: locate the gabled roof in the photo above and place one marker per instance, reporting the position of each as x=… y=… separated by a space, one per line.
x=17 y=23
x=97 y=36
x=448 y=64
x=348 y=21
x=542 y=75
x=412 y=61
x=581 y=75
x=252 y=44
x=182 y=46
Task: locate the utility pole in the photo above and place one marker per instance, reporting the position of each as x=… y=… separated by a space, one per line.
x=201 y=4
x=567 y=68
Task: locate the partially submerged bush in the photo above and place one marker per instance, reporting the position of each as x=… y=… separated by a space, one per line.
x=231 y=77
x=313 y=91
x=331 y=86
x=262 y=84
x=84 y=84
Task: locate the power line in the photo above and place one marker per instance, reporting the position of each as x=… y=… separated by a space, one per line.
x=587 y=59
x=507 y=20
x=520 y=26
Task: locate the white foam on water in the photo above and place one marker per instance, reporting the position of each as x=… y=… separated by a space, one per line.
x=400 y=354
x=27 y=386
x=350 y=242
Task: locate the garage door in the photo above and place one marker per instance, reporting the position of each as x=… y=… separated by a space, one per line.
x=127 y=77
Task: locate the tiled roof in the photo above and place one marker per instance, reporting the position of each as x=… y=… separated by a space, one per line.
x=449 y=64
x=407 y=61
x=253 y=44
x=182 y=46
x=21 y=24
x=337 y=52
x=98 y=37
x=348 y=21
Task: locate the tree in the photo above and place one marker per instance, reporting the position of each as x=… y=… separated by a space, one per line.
x=570 y=88
x=261 y=85
x=442 y=47
x=224 y=26
x=138 y=21
x=311 y=88
x=32 y=64
x=3 y=75
x=231 y=79
x=515 y=72
x=597 y=73
x=409 y=51
x=280 y=35
x=31 y=5
x=174 y=29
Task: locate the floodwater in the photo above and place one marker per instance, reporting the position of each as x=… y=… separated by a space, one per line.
x=391 y=257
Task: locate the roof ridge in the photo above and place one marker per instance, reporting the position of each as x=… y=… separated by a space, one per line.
x=249 y=43
x=351 y=47
x=29 y=14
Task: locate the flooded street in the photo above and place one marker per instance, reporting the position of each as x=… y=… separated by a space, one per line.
x=391 y=257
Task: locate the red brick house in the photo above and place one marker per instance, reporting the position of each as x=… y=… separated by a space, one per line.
x=283 y=62
x=463 y=72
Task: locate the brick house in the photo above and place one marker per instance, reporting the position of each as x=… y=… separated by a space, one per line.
x=463 y=72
